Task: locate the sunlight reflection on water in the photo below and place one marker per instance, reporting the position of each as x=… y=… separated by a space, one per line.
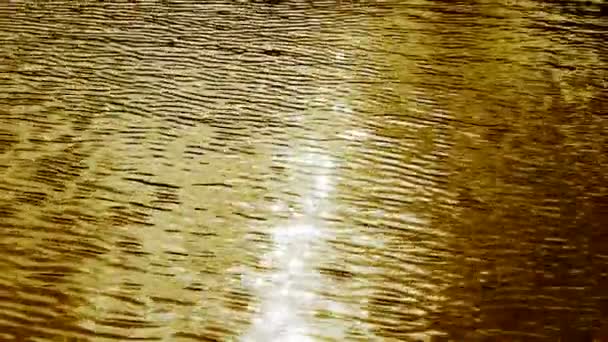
x=289 y=292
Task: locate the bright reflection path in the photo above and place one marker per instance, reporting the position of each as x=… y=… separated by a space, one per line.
x=294 y=297
x=289 y=292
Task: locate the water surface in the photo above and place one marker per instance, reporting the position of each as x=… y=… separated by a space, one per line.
x=303 y=171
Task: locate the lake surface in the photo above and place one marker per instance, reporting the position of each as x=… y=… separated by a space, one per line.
x=303 y=170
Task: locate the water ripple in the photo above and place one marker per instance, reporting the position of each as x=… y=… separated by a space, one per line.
x=303 y=170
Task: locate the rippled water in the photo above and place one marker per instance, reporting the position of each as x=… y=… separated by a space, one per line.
x=303 y=171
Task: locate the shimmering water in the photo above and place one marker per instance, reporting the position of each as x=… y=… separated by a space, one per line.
x=303 y=171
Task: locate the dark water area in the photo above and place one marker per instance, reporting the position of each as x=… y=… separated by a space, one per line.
x=303 y=170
